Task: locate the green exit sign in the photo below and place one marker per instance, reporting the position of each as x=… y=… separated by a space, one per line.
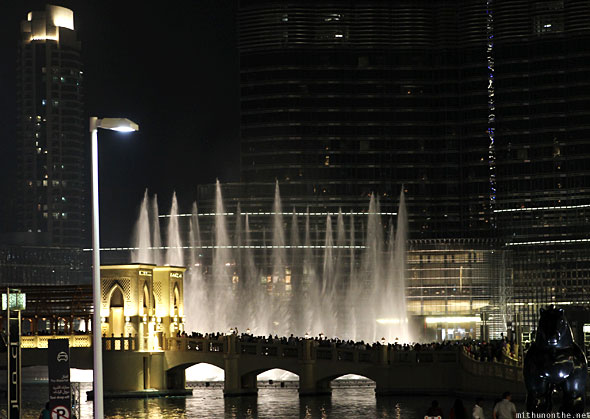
x=17 y=301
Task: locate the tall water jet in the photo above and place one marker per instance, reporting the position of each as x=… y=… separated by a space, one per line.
x=222 y=259
x=256 y=298
x=349 y=299
x=400 y=262
x=278 y=307
x=174 y=253
x=296 y=287
x=283 y=288
x=158 y=256
x=371 y=276
x=327 y=313
x=195 y=292
x=278 y=239
x=141 y=235
x=309 y=281
x=339 y=276
x=239 y=285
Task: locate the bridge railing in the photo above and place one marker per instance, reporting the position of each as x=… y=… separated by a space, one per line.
x=42 y=341
x=195 y=344
x=262 y=348
x=509 y=370
x=324 y=351
x=121 y=343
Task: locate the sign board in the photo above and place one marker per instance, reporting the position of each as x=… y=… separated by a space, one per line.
x=18 y=301
x=60 y=412
x=60 y=393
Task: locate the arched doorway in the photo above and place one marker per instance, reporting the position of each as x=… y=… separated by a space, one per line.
x=176 y=299
x=116 y=317
x=146 y=300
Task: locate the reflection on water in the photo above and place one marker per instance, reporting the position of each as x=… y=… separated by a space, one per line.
x=272 y=402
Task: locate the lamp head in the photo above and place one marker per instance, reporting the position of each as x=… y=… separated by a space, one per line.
x=117 y=124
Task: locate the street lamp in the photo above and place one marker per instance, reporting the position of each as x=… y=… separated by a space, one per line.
x=121 y=125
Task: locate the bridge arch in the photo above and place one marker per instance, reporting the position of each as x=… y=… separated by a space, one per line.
x=325 y=381
x=277 y=374
x=203 y=371
x=176 y=376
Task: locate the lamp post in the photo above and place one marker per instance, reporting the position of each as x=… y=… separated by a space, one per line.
x=121 y=125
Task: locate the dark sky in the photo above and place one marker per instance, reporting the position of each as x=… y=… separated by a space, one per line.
x=172 y=68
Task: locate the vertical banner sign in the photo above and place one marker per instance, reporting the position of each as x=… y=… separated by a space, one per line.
x=60 y=393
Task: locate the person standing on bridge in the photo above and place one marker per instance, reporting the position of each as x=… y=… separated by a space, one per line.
x=478 y=409
x=505 y=409
x=45 y=413
x=434 y=411
x=458 y=411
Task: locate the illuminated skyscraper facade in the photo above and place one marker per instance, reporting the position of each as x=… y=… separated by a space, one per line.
x=51 y=169
x=542 y=101
x=344 y=99
x=480 y=109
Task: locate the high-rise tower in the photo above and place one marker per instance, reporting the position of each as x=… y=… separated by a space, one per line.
x=51 y=180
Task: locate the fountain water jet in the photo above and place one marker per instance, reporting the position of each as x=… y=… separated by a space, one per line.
x=142 y=235
x=345 y=280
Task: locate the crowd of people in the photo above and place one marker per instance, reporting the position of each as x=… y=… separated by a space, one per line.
x=497 y=350
x=502 y=408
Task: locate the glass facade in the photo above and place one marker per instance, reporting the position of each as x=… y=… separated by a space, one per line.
x=479 y=109
x=543 y=149
x=51 y=168
x=346 y=99
x=34 y=265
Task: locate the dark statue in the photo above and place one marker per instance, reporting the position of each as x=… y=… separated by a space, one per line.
x=555 y=362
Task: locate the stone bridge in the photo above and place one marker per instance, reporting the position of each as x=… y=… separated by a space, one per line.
x=129 y=369
x=394 y=372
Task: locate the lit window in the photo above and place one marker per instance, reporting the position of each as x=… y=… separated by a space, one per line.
x=43 y=102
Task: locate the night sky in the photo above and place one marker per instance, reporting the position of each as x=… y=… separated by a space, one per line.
x=173 y=69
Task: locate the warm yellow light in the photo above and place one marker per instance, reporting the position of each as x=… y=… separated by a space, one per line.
x=466 y=319
x=62 y=17
x=44 y=38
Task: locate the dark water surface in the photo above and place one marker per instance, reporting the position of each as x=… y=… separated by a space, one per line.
x=347 y=402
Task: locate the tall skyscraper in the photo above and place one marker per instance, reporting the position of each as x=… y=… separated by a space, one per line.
x=343 y=99
x=51 y=168
x=479 y=108
x=542 y=120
